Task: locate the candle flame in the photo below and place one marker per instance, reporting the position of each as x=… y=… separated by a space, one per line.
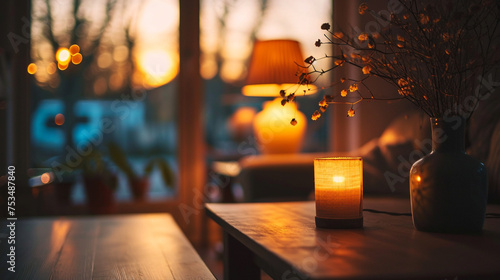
x=338 y=179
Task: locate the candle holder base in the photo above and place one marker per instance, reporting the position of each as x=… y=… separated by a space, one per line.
x=339 y=223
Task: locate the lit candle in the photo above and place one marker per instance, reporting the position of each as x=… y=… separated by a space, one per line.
x=339 y=192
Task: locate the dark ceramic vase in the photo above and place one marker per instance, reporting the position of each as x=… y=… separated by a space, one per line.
x=448 y=188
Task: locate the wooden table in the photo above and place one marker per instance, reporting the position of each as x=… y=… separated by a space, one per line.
x=281 y=238
x=147 y=246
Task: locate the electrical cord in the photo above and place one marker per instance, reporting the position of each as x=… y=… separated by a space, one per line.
x=488 y=215
x=493 y=215
x=387 y=213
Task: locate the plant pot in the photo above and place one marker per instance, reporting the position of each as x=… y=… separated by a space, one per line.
x=448 y=188
x=100 y=196
x=139 y=187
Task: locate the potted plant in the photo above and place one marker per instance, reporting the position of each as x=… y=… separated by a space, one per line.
x=100 y=183
x=139 y=184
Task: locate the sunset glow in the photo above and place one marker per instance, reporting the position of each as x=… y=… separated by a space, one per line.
x=157 y=67
x=154 y=30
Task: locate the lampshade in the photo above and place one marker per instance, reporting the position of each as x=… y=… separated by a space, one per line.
x=339 y=192
x=273 y=67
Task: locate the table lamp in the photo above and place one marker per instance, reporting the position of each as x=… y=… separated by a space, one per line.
x=273 y=67
x=338 y=185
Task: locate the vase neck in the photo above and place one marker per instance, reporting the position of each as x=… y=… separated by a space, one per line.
x=448 y=135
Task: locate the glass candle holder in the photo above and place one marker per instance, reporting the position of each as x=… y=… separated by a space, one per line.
x=339 y=192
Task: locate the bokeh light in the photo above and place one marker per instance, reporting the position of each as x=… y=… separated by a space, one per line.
x=77 y=58
x=104 y=60
x=63 y=56
x=51 y=68
x=240 y=123
x=45 y=178
x=232 y=70
x=120 y=53
x=157 y=67
x=74 y=49
x=59 y=119
x=62 y=66
x=208 y=67
x=32 y=68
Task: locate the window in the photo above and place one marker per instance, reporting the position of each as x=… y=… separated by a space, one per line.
x=105 y=73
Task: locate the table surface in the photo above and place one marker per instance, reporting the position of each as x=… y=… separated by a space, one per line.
x=283 y=237
x=144 y=246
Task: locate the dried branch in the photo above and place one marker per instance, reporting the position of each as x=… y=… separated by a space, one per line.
x=432 y=51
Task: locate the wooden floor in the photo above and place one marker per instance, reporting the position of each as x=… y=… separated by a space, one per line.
x=145 y=246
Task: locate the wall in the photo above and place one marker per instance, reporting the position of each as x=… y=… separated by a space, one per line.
x=371 y=118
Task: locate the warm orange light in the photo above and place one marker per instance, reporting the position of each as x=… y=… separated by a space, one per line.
x=59 y=119
x=339 y=191
x=74 y=49
x=51 y=68
x=58 y=232
x=273 y=67
x=45 y=178
x=104 y=60
x=240 y=123
x=338 y=179
x=62 y=66
x=419 y=178
x=273 y=131
x=208 y=67
x=77 y=58
x=243 y=116
x=32 y=68
x=273 y=90
x=63 y=56
x=120 y=53
x=157 y=67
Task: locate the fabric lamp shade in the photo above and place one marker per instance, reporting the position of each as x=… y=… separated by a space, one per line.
x=273 y=67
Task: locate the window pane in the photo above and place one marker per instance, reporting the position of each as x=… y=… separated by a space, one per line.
x=105 y=75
